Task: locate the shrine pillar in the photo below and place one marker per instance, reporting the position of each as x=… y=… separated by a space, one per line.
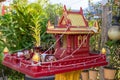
x=76 y=41
x=68 y=44
x=58 y=41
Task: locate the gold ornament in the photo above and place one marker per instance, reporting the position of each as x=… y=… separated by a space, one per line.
x=103 y=51
x=5 y=51
x=36 y=57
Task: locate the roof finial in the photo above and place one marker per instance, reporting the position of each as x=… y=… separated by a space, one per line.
x=65 y=8
x=81 y=10
x=49 y=25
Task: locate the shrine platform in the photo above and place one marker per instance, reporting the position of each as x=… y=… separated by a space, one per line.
x=55 y=67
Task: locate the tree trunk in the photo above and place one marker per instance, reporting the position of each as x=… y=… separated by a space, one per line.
x=106 y=23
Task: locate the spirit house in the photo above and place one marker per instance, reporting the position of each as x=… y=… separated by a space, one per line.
x=71 y=53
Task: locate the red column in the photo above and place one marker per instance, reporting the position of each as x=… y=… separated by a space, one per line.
x=68 y=44
x=76 y=41
x=58 y=41
x=88 y=41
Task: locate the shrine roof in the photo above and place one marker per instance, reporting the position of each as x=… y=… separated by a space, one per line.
x=71 y=22
x=76 y=20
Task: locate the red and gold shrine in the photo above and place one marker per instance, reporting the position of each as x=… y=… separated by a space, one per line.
x=71 y=49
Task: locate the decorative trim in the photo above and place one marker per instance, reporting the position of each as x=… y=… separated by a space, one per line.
x=62 y=53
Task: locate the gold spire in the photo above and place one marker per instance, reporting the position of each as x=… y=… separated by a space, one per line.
x=96 y=25
x=5 y=50
x=50 y=25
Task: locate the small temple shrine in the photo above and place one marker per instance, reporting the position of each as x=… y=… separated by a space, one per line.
x=72 y=34
x=72 y=49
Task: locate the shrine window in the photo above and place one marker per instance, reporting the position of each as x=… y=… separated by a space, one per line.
x=85 y=41
x=63 y=42
x=82 y=40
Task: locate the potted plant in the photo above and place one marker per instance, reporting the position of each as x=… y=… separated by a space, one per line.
x=110 y=70
x=85 y=75
x=109 y=73
x=93 y=73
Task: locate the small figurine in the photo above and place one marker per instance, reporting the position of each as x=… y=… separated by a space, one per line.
x=27 y=54
x=50 y=58
x=20 y=53
x=36 y=57
x=43 y=57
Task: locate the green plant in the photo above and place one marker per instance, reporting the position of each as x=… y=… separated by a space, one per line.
x=35 y=11
x=18 y=26
x=16 y=34
x=114 y=47
x=52 y=11
x=114 y=55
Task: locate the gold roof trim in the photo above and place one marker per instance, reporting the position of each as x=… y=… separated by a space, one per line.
x=79 y=29
x=71 y=29
x=50 y=27
x=58 y=32
x=57 y=28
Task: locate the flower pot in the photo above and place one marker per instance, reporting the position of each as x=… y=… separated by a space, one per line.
x=109 y=73
x=85 y=75
x=93 y=74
